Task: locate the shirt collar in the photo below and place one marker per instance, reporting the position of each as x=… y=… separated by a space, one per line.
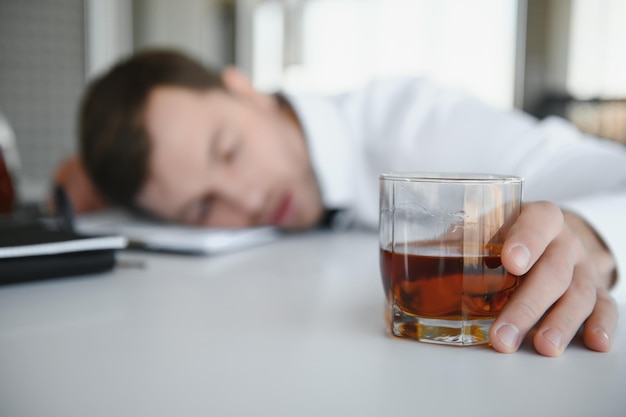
x=331 y=149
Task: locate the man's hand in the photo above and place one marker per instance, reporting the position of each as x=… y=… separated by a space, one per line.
x=568 y=275
x=71 y=175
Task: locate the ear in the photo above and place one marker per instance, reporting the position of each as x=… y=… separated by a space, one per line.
x=238 y=84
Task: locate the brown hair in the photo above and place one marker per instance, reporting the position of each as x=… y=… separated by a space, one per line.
x=114 y=144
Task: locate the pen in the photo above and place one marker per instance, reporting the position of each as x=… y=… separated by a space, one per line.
x=138 y=245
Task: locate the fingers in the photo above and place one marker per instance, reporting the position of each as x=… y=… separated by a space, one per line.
x=563 y=321
x=600 y=326
x=562 y=287
x=538 y=225
x=548 y=281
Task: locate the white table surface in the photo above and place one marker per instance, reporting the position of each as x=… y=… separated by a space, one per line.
x=292 y=328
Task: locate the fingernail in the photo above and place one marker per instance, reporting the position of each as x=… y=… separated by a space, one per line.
x=520 y=255
x=508 y=335
x=554 y=336
x=600 y=331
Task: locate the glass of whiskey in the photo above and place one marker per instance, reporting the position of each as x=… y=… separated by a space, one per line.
x=441 y=236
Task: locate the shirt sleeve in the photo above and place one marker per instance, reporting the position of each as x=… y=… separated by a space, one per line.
x=414 y=125
x=427 y=128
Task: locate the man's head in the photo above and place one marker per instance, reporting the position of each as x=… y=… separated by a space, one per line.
x=163 y=134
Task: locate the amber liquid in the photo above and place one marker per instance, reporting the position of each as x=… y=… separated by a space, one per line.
x=423 y=283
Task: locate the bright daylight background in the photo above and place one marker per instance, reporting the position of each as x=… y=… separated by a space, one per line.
x=340 y=44
x=541 y=56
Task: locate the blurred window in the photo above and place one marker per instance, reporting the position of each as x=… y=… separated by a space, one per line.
x=597 y=58
x=336 y=45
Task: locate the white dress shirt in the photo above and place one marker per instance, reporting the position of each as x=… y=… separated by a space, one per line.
x=414 y=125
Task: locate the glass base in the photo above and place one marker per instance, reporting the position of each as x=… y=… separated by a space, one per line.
x=445 y=332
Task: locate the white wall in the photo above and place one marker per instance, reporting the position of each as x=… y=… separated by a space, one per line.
x=41 y=80
x=198 y=27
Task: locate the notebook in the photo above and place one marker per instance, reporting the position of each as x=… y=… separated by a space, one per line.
x=149 y=234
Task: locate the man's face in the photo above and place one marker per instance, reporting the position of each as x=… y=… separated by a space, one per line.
x=227 y=160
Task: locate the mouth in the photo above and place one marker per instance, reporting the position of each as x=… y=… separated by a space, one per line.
x=283 y=211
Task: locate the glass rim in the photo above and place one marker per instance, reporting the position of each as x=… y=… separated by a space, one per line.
x=451 y=177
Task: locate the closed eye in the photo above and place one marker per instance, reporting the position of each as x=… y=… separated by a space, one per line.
x=229 y=146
